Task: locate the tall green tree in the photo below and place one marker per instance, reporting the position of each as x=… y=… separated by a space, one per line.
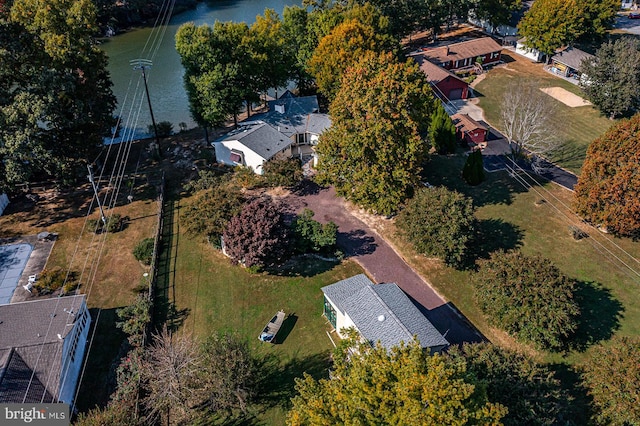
x=496 y=12
x=551 y=24
x=374 y=150
x=528 y=297
x=439 y=222
x=608 y=189
x=599 y=17
x=442 y=131
x=402 y=386
x=56 y=102
x=612 y=377
x=612 y=81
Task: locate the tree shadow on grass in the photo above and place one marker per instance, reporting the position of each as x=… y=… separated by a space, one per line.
x=492 y=235
x=302 y=266
x=577 y=408
x=286 y=328
x=276 y=384
x=600 y=314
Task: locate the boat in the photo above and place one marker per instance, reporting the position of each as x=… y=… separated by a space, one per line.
x=270 y=331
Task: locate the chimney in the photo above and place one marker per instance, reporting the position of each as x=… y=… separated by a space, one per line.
x=447 y=47
x=279 y=108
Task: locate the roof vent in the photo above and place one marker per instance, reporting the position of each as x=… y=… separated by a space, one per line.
x=279 y=108
x=381 y=318
x=60 y=336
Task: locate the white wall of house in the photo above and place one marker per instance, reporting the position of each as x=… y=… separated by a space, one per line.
x=73 y=350
x=528 y=52
x=251 y=158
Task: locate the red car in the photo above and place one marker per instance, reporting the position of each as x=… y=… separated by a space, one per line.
x=634 y=15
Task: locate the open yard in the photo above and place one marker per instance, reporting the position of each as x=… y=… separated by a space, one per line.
x=575 y=127
x=212 y=295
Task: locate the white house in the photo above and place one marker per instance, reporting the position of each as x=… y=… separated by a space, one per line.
x=291 y=127
x=42 y=347
x=380 y=312
x=528 y=52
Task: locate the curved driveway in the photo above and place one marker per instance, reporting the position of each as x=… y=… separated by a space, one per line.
x=381 y=262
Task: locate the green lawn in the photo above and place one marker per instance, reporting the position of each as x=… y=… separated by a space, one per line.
x=212 y=295
x=575 y=128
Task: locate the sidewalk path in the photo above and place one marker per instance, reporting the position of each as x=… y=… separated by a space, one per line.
x=381 y=262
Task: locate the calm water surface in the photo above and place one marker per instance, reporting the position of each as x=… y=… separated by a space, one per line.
x=166 y=88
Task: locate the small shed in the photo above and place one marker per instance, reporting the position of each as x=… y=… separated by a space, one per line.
x=469 y=130
x=568 y=63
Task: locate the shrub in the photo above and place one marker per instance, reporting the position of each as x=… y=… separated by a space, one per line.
x=473 y=170
x=114 y=224
x=143 y=251
x=311 y=235
x=528 y=297
x=165 y=128
x=283 y=172
x=51 y=280
x=438 y=222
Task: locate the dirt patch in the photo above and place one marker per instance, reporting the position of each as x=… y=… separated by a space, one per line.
x=566 y=97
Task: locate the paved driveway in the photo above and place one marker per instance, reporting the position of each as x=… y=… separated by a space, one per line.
x=381 y=261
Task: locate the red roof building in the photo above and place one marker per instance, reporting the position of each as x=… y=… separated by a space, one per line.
x=445 y=84
x=469 y=130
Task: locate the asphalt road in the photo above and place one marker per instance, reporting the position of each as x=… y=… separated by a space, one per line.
x=381 y=262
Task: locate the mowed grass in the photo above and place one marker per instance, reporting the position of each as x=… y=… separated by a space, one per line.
x=211 y=295
x=575 y=128
x=537 y=221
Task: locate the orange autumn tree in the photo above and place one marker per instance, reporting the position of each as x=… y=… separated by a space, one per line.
x=608 y=190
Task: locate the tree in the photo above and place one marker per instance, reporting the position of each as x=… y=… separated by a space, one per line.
x=229 y=373
x=170 y=377
x=439 y=222
x=611 y=375
x=527 y=389
x=56 y=102
x=528 y=297
x=525 y=112
x=599 y=17
x=608 y=189
x=612 y=77
x=551 y=24
x=473 y=170
x=442 y=131
x=311 y=235
x=283 y=172
x=209 y=212
x=496 y=12
x=373 y=152
x=256 y=237
x=134 y=320
x=344 y=46
x=402 y=386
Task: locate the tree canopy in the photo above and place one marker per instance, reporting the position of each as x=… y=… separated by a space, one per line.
x=403 y=386
x=373 y=152
x=612 y=376
x=496 y=12
x=608 y=188
x=551 y=24
x=613 y=77
x=56 y=102
x=256 y=237
x=528 y=297
x=442 y=131
x=528 y=389
x=210 y=210
x=439 y=222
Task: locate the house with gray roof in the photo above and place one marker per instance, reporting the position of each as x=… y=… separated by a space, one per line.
x=290 y=128
x=42 y=347
x=568 y=62
x=380 y=312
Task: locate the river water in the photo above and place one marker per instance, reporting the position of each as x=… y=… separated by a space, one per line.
x=164 y=78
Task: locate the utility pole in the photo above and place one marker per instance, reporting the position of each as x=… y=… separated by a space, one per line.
x=143 y=64
x=95 y=191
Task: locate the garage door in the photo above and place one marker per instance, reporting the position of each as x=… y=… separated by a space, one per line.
x=455 y=94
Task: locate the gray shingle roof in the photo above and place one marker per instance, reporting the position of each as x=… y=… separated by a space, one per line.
x=571 y=57
x=259 y=137
x=29 y=340
x=382 y=312
x=295 y=116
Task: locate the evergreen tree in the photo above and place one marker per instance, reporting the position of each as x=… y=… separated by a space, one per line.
x=473 y=170
x=442 y=131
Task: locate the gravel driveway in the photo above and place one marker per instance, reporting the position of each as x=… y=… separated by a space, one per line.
x=381 y=261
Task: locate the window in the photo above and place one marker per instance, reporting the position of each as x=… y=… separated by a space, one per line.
x=329 y=312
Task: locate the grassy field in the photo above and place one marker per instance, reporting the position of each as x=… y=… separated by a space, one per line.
x=212 y=295
x=575 y=128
